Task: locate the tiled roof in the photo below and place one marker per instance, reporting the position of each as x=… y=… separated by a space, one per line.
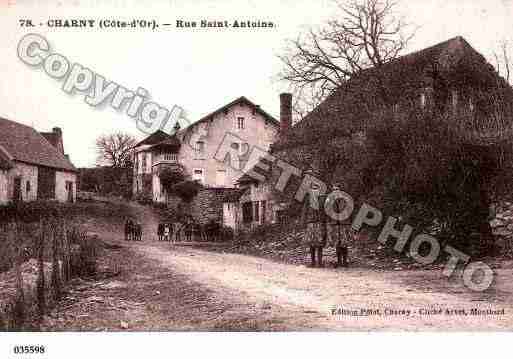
x=25 y=144
x=182 y=132
x=5 y=159
x=54 y=139
x=172 y=143
x=341 y=113
x=241 y=99
x=155 y=138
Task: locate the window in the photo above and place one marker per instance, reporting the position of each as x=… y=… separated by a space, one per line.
x=264 y=210
x=256 y=209
x=144 y=163
x=240 y=123
x=247 y=212
x=28 y=187
x=471 y=104
x=242 y=148
x=454 y=100
x=198 y=175
x=422 y=100
x=200 y=149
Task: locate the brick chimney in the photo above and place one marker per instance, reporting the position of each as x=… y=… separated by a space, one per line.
x=59 y=142
x=285 y=112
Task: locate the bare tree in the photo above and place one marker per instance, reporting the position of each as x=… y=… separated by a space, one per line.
x=367 y=33
x=115 y=149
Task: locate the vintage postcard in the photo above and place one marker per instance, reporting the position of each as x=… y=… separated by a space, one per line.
x=254 y=166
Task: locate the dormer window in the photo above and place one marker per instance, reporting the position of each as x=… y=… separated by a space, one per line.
x=423 y=100
x=454 y=99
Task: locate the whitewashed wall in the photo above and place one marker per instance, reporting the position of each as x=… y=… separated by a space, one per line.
x=230 y=211
x=61 y=178
x=28 y=174
x=4 y=198
x=257 y=132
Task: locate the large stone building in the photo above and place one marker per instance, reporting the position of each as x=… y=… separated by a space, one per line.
x=33 y=165
x=162 y=161
x=450 y=78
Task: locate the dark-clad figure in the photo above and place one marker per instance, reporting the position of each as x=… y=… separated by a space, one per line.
x=188 y=228
x=129 y=226
x=339 y=233
x=138 y=232
x=315 y=235
x=160 y=231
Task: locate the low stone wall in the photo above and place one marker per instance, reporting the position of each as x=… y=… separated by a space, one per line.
x=206 y=206
x=502 y=223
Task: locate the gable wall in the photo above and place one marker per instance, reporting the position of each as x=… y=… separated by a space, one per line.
x=255 y=133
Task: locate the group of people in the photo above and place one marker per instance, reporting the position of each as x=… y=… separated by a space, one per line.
x=133 y=230
x=322 y=231
x=187 y=230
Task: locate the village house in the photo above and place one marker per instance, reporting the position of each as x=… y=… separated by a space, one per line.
x=450 y=77
x=33 y=165
x=162 y=161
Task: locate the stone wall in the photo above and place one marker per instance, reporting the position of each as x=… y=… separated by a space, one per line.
x=208 y=205
x=502 y=222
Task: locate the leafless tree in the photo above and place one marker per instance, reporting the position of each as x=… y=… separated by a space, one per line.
x=366 y=33
x=115 y=149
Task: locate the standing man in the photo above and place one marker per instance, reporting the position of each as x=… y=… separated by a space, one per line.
x=315 y=235
x=339 y=234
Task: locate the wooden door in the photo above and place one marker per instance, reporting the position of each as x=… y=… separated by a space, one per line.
x=16 y=196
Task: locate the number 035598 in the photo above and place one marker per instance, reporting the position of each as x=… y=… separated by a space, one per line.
x=29 y=349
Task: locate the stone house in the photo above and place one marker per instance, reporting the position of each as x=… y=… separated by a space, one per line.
x=33 y=165
x=450 y=77
x=163 y=161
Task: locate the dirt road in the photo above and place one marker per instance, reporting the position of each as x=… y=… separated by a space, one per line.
x=155 y=286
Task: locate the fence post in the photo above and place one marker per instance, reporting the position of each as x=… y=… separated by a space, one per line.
x=19 y=306
x=56 y=280
x=41 y=283
x=66 y=251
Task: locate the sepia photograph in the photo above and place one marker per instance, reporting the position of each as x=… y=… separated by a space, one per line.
x=305 y=170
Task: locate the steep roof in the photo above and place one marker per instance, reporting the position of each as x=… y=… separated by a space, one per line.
x=23 y=143
x=155 y=138
x=5 y=159
x=172 y=144
x=54 y=139
x=341 y=113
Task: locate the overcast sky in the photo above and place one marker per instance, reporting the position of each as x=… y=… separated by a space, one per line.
x=199 y=70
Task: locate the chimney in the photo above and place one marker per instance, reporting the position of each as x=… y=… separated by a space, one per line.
x=285 y=112
x=58 y=133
